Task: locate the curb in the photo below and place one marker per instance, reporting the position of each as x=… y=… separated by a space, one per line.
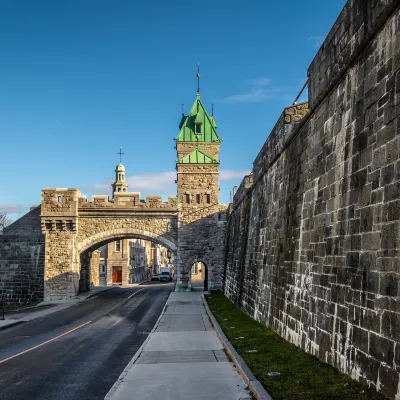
x=114 y=387
x=255 y=386
x=3 y=328
x=25 y=308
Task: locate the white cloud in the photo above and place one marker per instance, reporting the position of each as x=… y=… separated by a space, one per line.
x=260 y=81
x=140 y=182
x=158 y=181
x=11 y=208
x=254 y=96
x=317 y=41
x=228 y=174
x=155 y=183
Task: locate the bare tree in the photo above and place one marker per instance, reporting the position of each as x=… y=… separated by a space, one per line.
x=5 y=220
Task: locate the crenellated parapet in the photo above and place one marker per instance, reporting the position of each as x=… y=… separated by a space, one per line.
x=128 y=200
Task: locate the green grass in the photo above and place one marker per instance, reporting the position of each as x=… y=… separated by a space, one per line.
x=15 y=307
x=302 y=376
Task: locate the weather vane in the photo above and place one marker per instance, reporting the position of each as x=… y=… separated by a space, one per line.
x=198 y=77
x=120 y=155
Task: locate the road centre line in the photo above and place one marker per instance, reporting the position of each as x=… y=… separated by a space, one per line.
x=42 y=344
x=135 y=293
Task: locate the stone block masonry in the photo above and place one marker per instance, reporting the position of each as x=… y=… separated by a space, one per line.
x=22 y=260
x=313 y=239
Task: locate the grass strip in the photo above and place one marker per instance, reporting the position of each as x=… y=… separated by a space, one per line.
x=16 y=307
x=301 y=375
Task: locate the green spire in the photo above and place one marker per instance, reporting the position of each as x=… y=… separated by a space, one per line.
x=198 y=115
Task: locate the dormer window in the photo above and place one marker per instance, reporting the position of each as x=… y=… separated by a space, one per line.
x=198 y=128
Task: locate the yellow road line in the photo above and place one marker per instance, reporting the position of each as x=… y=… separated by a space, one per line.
x=42 y=344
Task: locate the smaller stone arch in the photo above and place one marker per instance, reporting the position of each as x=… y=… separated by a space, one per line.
x=208 y=272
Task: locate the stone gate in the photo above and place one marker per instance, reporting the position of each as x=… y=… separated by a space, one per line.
x=74 y=228
x=191 y=224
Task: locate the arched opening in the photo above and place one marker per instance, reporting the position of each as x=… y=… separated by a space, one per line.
x=122 y=260
x=199 y=276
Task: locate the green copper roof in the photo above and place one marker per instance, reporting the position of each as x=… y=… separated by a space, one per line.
x=197 y=157
x=198 y=115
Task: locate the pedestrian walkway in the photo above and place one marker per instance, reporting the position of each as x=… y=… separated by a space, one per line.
x=182 y=358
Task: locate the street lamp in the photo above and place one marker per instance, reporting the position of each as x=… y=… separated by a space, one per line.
x=169 y=255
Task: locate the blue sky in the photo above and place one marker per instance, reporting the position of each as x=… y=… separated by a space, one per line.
x=78 y=79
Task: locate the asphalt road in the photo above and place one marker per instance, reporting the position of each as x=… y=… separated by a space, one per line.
x=85 y=347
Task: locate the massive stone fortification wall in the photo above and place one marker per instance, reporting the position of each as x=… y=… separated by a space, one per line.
x=314 y=241
x=22 y=260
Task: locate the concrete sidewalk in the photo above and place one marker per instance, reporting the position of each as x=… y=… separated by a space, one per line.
x=45 y=308
x=182 y=358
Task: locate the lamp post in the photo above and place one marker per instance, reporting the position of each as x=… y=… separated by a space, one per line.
x=132 y=267
x=169 y=256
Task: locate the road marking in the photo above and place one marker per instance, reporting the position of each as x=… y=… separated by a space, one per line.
x=135 y=293
x=42 y=344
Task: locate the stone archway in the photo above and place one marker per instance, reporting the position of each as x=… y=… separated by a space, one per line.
x=86 y=265
x=208 y=273
x=126 y=233
x=199 y=276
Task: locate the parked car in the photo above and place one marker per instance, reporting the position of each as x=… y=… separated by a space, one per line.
x=155 y=277
x=166 y=276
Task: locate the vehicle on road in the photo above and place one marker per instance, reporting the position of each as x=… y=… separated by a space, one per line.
x=155 y=277
x=167 y=274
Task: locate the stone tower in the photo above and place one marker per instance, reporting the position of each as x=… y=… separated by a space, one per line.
x=197 y=166
x=197 y=147
x=120 y=184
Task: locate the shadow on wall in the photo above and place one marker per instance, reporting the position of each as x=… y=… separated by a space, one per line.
x=22 y=260
x=54 y=288
x=201 y=240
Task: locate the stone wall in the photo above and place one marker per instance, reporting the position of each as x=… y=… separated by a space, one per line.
x=202 y=220
x=314 y=242
x=22 y=260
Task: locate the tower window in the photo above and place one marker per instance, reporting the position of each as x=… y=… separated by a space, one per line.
x=187 y=198
x=198 y=198
x=198 y=128
x=117 y=245
x=59 y=199
x=208 y=197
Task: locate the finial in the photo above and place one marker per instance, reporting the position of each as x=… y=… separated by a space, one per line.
x=120 y=154
x=198 y=77
x=182 y=110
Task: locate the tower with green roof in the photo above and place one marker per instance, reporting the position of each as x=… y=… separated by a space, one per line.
x=197 y=165
x=201 y=219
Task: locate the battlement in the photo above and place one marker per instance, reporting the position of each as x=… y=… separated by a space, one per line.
x=129 y=200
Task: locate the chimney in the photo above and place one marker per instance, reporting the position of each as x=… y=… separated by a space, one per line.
x=234 y=190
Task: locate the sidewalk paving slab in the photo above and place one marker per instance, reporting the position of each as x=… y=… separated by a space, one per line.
x=200 y=381
x=182 y=358
x=187 y=340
